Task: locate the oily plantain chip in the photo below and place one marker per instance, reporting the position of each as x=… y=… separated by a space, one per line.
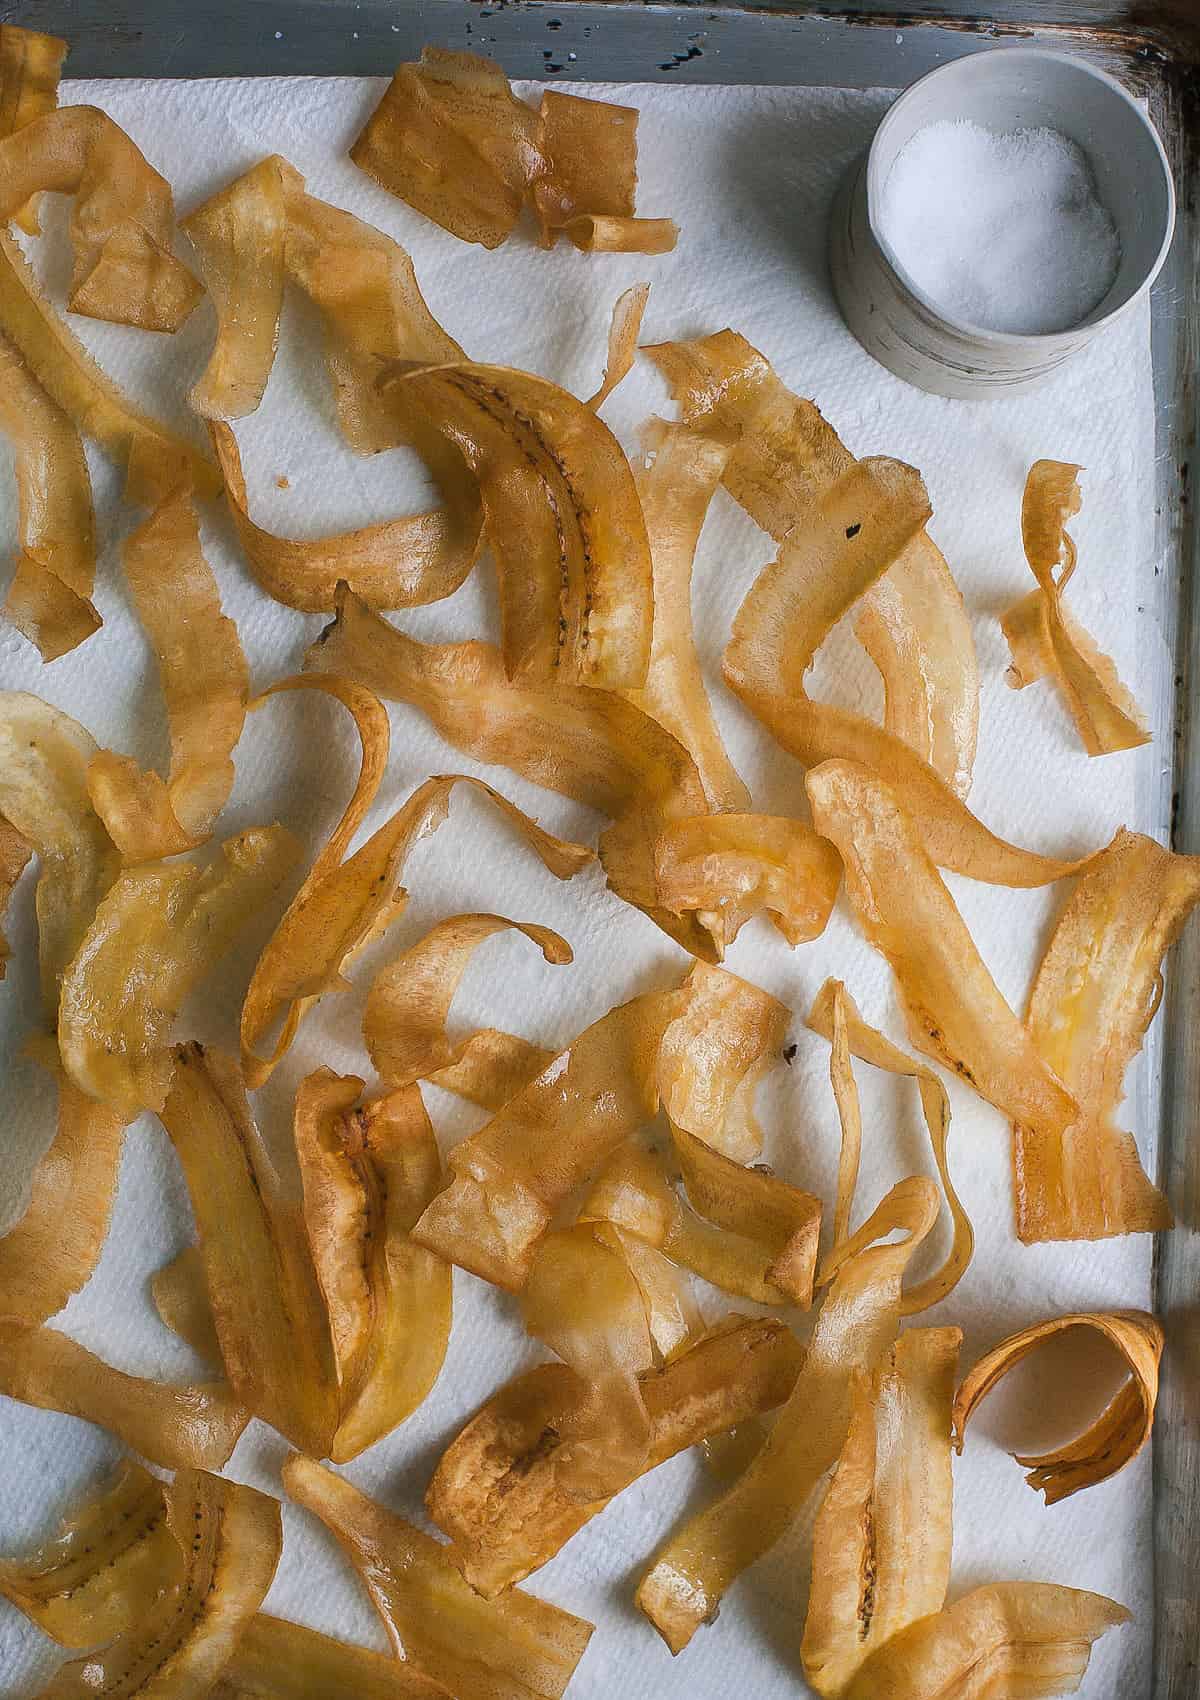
x=856 y=1327
x=624 y=329
x=491 y=1066
x=157 y=933
x=1123 y=1427
x=514 y=1648
x=1045 y=639
x=496 y=1491
x=404 y=1021
x=881 y=1543
x=367 y=1175
x=276 y=1660
x=30 y=64
x=204 y=678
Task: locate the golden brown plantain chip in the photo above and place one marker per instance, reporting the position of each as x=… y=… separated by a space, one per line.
x=514 y=1648
x=598 y=234
x=1004 y=1641
x=30 y=64
x=204 y=679
x=122 y=221
x=404 y=1020
x=496 y=1492
x=1044 y=638
x=881 y=1543
x=269 y=1314
x=623 y=332
x=1118 y=1433
x=173 y=922
x=729 y=867
x=180 y=1294
x=588 y=161
x=1096 y=992
x=856 y=1326
x=367 y=1175
x=491 y=1067
x=276 y=1660
x=179 y=1427
x=44 y=757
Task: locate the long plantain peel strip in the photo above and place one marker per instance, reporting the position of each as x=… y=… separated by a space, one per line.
x=277 y=1660
x=1118 y=1433
x=1096 y=992
x=581 y=1300
x=104 y=1568
x=229 y=1538
x=591 y=745
x=881 y=1543
x=624 y=329
x=675 y=489
x=30 y=64
x=587 y=178
x=1004 y=1641
x=15 y=856
x=912 y=621
x=121 y=223
x=175 y=922
x=367 y=1174
x=51 y=1250
x=266 y=1304
x=496 y=1491
x=204 y=678
x=562 y=516
x=49 y=598
x=855 y=1328
x=176 y=1426
x=514 y=1648
x=44 y=757
x=404 y=1021
x=835 y=1017
x=344 y=904
x=955 y=1012
x=1044 y=638
x=729 y=867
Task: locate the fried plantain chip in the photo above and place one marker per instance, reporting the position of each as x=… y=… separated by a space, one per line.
x=835 y=1017
x=177 y=1427
x=510 y=1177
x=1096 y=993
x=30 y=64
x=514 y=1648
x=49 y=599
x=1044 y=638
x=104 y=1568
x=15 y=855
x=496 y=1492
x=491 y=1067
x=587 y=744
x=266 y=1304
x=44 y=757
x=368 y=1173
x=954 y=1010
x=587 y=178
x=173 y=922
x=276 y=1660
x=913 y=622
x=623 y=332
x=1007 y=1640
x=404 y=1021
x=675 y=491
x=881 y=1544
x=51 y=1250
x=581 y=1300
x=153 y=455
x=344 y=904
x=729 y=867
x=856 y=1326
x=229 y=1537
x=180 y=1294
x=672 y=1315
x=451 y=139
x=561 y=514
x=121 y=223
x=204 y=679
x=598 y=234
x=1118 y=1433
x=718 y=1045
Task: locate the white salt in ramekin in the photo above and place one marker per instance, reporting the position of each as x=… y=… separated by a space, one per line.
x=1002 y=89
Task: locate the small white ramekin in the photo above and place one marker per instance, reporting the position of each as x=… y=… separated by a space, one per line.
x=1003 y=89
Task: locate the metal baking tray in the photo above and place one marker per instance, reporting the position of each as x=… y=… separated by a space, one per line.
x=1153 y=46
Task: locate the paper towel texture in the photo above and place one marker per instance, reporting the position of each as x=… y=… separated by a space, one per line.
x=749 y=174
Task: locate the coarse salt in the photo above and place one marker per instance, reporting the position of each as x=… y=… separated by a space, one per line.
x=1004 y=230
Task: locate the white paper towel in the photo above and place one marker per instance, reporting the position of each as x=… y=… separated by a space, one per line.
x=749 y=174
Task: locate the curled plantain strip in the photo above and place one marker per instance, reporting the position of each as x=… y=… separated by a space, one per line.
x=491 y=1066
x=624 y=329
x=30 y=64
x=276 y=1660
